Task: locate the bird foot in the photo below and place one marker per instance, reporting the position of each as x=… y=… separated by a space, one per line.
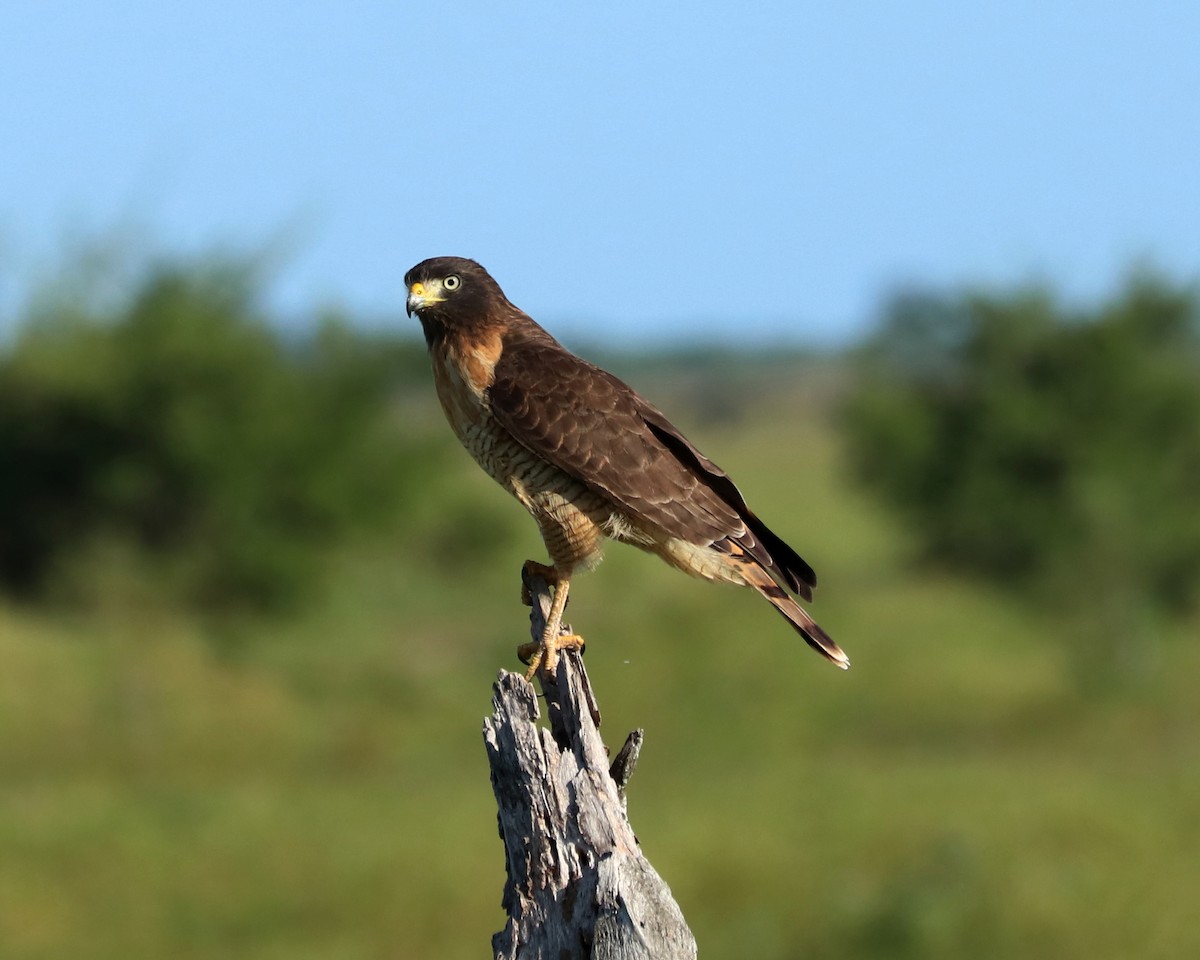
x=534 y=569
x=544 y=655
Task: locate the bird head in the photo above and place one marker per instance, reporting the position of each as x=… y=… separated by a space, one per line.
x=451 y=291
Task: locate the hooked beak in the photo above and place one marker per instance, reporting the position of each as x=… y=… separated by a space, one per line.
x=421 y=296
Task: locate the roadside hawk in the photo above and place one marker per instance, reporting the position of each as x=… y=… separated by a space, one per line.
x=588 y=457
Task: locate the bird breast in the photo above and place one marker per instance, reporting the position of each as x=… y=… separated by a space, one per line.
x=573 y=519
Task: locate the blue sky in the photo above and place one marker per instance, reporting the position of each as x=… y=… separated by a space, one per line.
x=653 y=170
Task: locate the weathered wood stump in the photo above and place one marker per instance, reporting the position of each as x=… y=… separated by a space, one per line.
x=578 y=885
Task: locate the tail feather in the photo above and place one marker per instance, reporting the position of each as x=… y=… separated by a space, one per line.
x=796 y=573
x=744 y=566
x=802 y=623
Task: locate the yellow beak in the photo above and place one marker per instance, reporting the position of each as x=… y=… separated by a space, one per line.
x=420 y=296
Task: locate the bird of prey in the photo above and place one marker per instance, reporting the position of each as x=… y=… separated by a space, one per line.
x=588 y=457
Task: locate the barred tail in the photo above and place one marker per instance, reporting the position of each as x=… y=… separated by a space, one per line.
x=803 y=624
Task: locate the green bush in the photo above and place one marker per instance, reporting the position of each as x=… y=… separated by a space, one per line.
x=1054 y=452
x=183 y=428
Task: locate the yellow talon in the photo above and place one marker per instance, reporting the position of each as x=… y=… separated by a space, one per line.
x=534 y=569
x=544 y=655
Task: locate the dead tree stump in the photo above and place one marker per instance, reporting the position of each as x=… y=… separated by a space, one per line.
x=578 y=885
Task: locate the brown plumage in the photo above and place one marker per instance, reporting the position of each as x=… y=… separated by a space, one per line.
x=586 y=455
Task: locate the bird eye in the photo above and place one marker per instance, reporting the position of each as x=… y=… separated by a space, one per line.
x=451 y=282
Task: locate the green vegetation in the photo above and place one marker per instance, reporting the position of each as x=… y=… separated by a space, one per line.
x=184 y=781
x=1056 y=454
x=177 y=429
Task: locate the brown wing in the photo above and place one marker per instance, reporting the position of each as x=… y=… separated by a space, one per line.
x=593 y=426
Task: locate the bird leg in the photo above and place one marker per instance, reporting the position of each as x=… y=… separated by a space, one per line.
x=544 y=655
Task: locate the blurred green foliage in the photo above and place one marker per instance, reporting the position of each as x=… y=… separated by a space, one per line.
x=1054 y=452
x=321 y=789
x=325 y=791
x=177 y=429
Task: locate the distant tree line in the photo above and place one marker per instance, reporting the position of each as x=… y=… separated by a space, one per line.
x=179 y=426
x=1053 y=451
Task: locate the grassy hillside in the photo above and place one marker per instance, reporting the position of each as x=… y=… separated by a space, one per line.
x=318 y=787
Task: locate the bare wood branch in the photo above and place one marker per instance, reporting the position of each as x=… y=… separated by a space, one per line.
x=578 y=885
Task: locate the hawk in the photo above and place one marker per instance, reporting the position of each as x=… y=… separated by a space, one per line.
x=588 y=457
